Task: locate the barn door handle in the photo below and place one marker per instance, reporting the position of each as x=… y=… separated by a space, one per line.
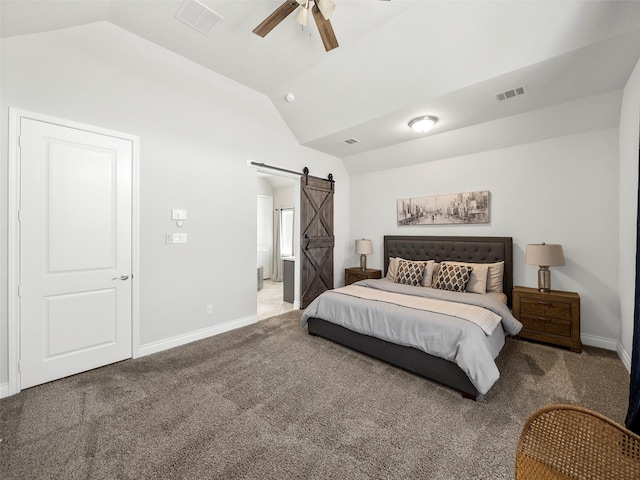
x=121 y=277
x=306 y=237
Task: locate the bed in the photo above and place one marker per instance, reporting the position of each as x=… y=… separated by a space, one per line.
x=346 y=316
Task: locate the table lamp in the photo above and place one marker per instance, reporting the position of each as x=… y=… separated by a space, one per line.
x=544 y=255
x=364 y=248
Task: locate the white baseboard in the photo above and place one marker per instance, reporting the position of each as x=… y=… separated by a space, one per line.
x=608 y=344
x=4 y=390
x=624 y=356
x=600 y=342
x=179 y=340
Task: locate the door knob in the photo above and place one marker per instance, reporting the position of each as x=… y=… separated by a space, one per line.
x=122 y=277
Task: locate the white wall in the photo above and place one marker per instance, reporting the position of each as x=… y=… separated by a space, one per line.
x=263 y=187
x=562 y=190
x=197 y=129
x=285 y=197
x=628 y=201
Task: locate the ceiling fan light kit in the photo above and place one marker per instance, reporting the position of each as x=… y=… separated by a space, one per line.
x=327 y=7
x=321 y=11
x=423 y=124
x=302 y=15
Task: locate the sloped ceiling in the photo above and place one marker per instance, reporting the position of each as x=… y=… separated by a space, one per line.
x=397 y=59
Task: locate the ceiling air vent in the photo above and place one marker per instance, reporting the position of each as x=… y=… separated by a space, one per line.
x=351 y=141
x=196 y=15
x=514 y=92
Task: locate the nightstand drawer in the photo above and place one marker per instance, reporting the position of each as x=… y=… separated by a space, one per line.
x=542 y=308
x=558 y=328
x=547 y=325
x=532 y=323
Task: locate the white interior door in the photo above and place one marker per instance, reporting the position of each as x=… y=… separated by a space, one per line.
x=265 y=233
x=75 y=251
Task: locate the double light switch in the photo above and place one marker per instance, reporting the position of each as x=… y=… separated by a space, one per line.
x=179 y=215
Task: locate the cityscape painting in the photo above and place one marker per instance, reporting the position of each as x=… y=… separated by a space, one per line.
x=469 y=207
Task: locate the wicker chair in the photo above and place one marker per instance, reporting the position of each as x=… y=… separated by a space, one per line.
x=570 y=442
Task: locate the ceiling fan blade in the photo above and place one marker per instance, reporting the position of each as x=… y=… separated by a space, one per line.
x=326 y=30
x=276 y=17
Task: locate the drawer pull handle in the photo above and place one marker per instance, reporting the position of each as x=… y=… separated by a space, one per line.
x=543 y=318
x=540 y=302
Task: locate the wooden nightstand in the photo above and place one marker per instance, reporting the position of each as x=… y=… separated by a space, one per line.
x=552 y=317
x=355 y=274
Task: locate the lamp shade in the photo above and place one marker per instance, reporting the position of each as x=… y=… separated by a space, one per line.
x=302 y=15
x=544 y=254
x=326 y=7
x=364 y=247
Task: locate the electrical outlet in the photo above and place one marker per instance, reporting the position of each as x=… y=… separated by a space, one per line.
x=209 y=309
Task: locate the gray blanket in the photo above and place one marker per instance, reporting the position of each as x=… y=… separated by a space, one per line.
x=447 y=337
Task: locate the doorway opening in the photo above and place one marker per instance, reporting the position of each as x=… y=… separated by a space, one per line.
x=277 y=243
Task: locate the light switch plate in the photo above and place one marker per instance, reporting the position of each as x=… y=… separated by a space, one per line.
x=178 y=214
x=176 y=238
x=180 y=238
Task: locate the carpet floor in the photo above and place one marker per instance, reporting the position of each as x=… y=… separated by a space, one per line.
x=268 y=401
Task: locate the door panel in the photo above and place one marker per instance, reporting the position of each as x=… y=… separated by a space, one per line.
x=317 y=239
x=71 y=221
x=265 y=234
x=75 y=251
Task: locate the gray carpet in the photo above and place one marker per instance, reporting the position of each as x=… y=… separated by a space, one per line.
x=270 y=402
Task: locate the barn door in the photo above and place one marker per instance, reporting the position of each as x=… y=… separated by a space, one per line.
x=316 y=237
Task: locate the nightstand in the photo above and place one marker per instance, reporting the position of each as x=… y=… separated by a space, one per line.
x=355 y=274
x=551 y=317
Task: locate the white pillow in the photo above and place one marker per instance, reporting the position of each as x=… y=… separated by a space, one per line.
x=479 y=275
x=427 y=279
x=495 y=276
x=392 y=270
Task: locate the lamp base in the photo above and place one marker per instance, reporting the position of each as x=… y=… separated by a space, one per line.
x=363 y=262
x=544 y=279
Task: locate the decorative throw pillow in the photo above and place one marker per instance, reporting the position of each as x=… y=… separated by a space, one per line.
x=495 y=276
x=427 y=279
x=453 y=277
x=478 y=279
x=392 y=270
x=410 y=273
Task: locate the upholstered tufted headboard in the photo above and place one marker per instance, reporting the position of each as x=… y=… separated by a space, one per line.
x=458 y=249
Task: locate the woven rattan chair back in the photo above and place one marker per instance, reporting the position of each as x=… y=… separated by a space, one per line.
x=570 y=442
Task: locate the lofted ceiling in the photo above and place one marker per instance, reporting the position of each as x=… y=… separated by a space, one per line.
x=397 y=59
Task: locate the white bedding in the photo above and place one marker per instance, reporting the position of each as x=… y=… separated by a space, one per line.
x=444 y=336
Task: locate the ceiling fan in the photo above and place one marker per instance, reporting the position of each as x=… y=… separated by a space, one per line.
x=321 y=11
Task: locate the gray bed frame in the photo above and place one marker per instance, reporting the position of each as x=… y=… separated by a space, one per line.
x=438 y=248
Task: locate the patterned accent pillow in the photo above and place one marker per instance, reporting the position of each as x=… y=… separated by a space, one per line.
x=410 y=273
x=478 y=279
x=453 y=277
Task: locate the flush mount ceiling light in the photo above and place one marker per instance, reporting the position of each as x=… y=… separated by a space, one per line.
x=423 y=124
